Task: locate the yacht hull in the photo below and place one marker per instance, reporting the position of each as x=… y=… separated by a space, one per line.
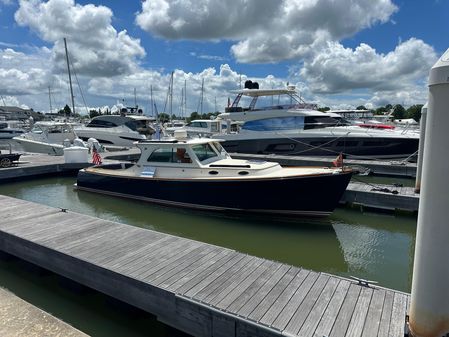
x=326 y=146
x=314 y=195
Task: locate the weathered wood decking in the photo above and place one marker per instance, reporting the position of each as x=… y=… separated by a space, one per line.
x=384 y=197
x=196 y=287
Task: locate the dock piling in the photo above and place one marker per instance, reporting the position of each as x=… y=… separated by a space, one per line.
x=429 y=312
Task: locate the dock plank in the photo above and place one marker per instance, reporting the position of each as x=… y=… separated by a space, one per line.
x=371 y=327
x=279 y=296
x=306 y=306
x=345 y=314
x=357 y=322
x=326 y=323
x=319 y=307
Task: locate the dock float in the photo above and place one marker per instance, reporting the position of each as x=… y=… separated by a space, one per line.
x=381 y=197
x=199 y=288
x=20 y=318
x=32 y=165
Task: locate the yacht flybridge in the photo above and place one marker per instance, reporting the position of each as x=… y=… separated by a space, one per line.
x=278 y=121
x=199 y=173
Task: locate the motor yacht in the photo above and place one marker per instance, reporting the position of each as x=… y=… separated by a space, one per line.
x=115 y=129
x=198 y=173
x=284 y=124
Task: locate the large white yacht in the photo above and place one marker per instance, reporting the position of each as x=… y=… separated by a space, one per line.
x=116 y=130
x=279 y=121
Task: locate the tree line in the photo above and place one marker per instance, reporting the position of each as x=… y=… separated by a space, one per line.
x=397 y=111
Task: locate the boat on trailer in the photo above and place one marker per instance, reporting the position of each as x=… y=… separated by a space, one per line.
x=200 y=174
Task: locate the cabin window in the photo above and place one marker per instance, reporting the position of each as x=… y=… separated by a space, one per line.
x=198 y=125
x=98 y=123
x=318 y=122
x=214 y=127
x=278 y=123
x=170 y=155
x=161 y=155
x=204 y=151
x=181 y=155
x=219 y=148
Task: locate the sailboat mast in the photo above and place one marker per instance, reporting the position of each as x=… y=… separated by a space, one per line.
x=70 y=76
x=135 y=98
x=49 y=99
x=202 y=95
x=151 y=98
x=171 y=94
x=185 y=99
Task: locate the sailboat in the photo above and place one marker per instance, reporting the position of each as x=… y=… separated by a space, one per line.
x=51 y=137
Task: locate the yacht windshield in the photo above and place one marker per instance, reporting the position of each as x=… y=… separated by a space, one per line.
x=204 y=151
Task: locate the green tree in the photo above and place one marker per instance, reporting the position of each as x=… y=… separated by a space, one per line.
x=399 y=112
x=415 y=112
x=67 y=110
x=93 y=113
x=164 y=117
x=326 y=108
x=381 y=110
x=361 y=107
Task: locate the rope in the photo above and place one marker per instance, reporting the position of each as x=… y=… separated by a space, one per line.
x=313 y=147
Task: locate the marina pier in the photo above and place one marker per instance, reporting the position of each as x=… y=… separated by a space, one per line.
x=198 y=288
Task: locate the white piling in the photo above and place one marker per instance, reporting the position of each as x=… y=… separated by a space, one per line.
x=422 y=136
x=429 y=311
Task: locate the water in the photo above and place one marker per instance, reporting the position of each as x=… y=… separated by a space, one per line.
x=367 y=245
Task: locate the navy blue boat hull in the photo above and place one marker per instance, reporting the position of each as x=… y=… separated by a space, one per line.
x=309 y=195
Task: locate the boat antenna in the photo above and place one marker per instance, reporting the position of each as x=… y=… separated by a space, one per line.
x=135 y=98
x=70 y=76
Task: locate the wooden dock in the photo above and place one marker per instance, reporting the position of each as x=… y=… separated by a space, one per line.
x=381 y=197
x=202 y=289
x=33 y=165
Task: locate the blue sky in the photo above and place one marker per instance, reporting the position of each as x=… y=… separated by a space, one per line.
x=340 y=54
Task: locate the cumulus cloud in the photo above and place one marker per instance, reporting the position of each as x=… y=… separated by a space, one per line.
x=95 y=47
x=264 y=30
x=24 y=74
x=336 y=69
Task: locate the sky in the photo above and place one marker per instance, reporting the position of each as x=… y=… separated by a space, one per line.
x=338 y=53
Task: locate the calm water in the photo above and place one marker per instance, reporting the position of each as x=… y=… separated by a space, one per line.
x=368 y=245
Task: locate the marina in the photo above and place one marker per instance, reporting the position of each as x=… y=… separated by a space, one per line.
x=224 y=169
x=45 y=238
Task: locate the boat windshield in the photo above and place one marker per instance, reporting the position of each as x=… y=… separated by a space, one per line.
x=204 y=151
x=220 y=148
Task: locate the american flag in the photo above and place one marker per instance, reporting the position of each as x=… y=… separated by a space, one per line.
x=96 y=158
x=338 y=162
